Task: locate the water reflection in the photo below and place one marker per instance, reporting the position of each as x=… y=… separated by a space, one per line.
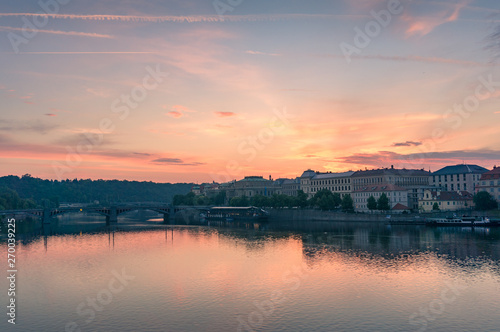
x=314 y=276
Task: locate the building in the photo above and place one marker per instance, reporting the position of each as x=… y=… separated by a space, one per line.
x=415 y=181
x=456 y=178
x=398 y=196
x=289 y=187
x=490 y=182
x=251 y=186
x=446 y=200
x=311 y=182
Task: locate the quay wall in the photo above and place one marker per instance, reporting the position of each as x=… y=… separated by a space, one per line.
x=318 y=215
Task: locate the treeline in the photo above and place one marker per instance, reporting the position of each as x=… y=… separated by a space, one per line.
x=52 y=192
x=10 y=200
x=191 y=199
x=323 y=199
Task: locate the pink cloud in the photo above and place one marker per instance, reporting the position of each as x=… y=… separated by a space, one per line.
x=426 y=24
x=175 y=114
x=180 y=108
x=224 y=114
x=50 y=114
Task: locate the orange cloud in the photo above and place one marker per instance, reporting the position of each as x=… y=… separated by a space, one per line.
x=175 y=114
x=425 y=25
x=224 y=114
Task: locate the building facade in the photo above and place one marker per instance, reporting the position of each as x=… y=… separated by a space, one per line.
x=311 y=182
x=415 y=181
x=251 y=186
x=446 y=200
x=398 y=196
x=457 y=178
x=490 y=182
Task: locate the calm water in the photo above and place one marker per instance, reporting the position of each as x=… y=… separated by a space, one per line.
x=286 y=277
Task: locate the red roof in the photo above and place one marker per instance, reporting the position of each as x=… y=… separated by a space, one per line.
x=400 y=206
x=491 y=175
x=380 y=187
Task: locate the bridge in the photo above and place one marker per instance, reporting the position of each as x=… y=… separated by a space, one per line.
x=111 y=213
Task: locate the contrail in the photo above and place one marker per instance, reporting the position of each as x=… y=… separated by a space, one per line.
x=187 y=19
x=105 y=52
x=57 y=32
x=414 y=58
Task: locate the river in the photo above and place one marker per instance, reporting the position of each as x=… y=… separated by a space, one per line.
x=81 y=275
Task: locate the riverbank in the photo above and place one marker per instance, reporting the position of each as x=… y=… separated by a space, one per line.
x=318 y=215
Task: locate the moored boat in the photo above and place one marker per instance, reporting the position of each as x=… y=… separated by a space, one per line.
x=461 y=221
x=230 y=214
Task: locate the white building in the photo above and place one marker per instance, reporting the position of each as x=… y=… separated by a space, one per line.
x=457 y=178
x=311 y=182
x=398 y=196
x=490 y=182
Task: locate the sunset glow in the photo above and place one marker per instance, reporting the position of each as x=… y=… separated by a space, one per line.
x=186 y=91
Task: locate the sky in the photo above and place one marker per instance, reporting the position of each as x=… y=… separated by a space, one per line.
x=202 y=91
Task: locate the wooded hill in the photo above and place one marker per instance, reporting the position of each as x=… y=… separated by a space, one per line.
x=52 y=192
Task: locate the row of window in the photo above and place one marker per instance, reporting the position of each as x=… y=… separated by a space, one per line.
x=492 y=183
x=396 y=193
x=452 y=177
x=333 y=189
x=326 y=182
x=439 y=203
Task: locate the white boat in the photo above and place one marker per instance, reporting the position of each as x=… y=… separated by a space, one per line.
x=460 y=221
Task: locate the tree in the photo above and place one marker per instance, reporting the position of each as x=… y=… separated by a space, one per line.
x=371 y=203
x=383 y=203
x=189 y=198
x=325 y=200
x=484 y=201
x=301 y=198
x=260 y=201
x=337 y=200
x=435 y=207
x=220 y=199
x=240 y=201
x=347 y=203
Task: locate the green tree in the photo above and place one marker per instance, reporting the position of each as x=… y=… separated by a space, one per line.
x=302 y=199
x=178 y=200
x=484 y=201
x=220 y=198
x=189 y=199
x=435 y=207
x=383 y=203
x=240 y=201
x=260 y=201
x=325 y=200
x=347 y=203
x=371 y=203
x=337 y=199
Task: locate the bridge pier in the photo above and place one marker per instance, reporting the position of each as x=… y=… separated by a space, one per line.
x=46 y=217
x=113 y=215
x=166 y=218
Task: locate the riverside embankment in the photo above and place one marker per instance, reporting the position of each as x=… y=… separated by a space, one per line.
x=318 y=215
